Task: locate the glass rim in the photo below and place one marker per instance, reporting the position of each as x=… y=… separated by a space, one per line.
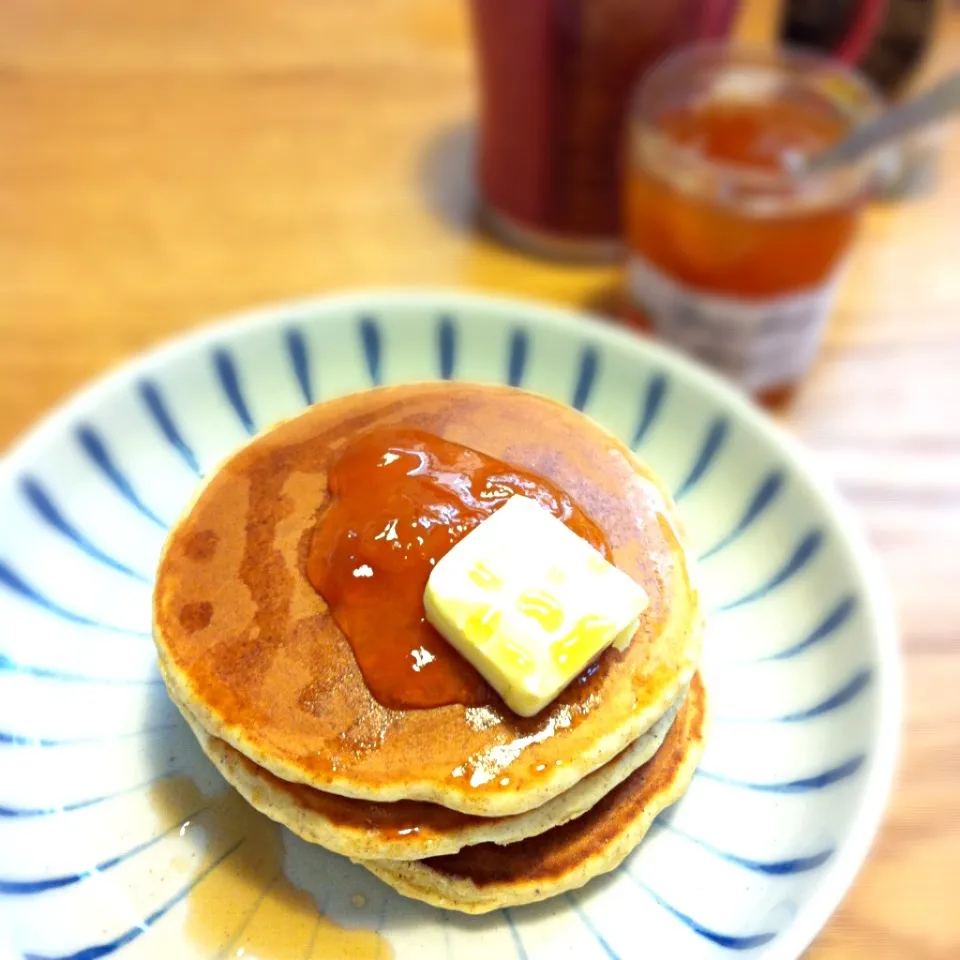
x=863 y=101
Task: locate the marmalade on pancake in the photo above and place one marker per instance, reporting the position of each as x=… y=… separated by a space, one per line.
x=401 y=499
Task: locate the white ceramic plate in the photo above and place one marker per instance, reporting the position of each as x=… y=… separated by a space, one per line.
x=800 y=654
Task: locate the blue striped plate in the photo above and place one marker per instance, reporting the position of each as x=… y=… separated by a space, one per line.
x=800 y=653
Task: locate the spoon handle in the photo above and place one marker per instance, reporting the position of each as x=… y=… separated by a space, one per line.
x=934 y=104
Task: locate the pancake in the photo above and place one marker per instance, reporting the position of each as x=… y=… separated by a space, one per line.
x=410 y=829
x=487 y=877
x=252 y=651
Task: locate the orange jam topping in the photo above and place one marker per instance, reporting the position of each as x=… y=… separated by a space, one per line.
x=401 y=498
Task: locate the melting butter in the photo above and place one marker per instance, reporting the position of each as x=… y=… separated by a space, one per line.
x=587 y=634
x=530 y=604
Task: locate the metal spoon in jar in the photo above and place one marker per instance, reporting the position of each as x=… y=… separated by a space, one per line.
x=934 y=104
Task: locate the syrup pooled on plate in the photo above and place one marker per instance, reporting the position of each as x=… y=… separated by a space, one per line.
x=247 y=907
x=401 y=498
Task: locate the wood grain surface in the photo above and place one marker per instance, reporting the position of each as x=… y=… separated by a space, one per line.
x=165 y=161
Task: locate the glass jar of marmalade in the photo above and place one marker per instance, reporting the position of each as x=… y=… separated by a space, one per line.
x=733 y=251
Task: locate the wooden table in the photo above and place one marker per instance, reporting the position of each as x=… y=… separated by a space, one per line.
x=165 y=161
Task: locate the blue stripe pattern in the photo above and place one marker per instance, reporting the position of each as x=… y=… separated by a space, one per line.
x=842 y=697
x=816 y=782
x=94 y=447
x=103 y=949
x=766 y=494
x=725 y=940
x=447 y=346
x=445 y=922
x=29 y=887
x=30 y=812
x=716 y=434
x=514 y=933
x=15 y=583
x=230 y=382
x=834 y=620
x=839 y=699
x=592 y=927
x=19 y=740
x=804 y=553
x=48 y=673
x=151 y=396
x=382 y=914
x=652 y=401
x=300 y=361
x=50 y=513
x=517 y=361
x=585 y=378
x=773 y=868
x=370 y=340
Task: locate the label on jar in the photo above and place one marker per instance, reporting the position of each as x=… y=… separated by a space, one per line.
x=758 y=343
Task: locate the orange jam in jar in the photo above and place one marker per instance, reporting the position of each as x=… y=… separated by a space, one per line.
x=732 y=249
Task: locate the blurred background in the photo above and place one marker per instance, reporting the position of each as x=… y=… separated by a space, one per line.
x=164 y=162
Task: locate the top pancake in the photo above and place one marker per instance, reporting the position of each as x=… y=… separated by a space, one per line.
x=250 y=648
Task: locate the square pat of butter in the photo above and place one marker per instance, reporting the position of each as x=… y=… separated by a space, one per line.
x=530 y=604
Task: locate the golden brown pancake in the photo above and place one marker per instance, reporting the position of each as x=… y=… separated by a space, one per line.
x=411 y=829
x=487 y=877
x=250 y=648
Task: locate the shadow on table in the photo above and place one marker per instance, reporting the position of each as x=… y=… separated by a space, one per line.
x=445 y=176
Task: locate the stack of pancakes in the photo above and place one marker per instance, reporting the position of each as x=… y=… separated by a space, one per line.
x=468 y=808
